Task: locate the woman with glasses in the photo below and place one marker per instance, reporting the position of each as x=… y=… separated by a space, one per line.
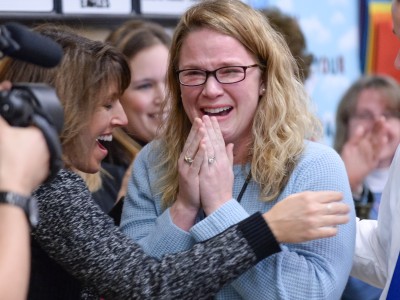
x=367 y=136
x=235 y=142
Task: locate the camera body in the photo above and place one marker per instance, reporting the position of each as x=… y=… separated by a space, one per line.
x=36 y=104
x=20 y=104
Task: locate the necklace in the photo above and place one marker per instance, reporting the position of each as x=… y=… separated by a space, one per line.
x=244 y=187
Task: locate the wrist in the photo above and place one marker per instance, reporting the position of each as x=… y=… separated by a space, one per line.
x=183 y=216
x=7 y=183
x=272 y=226
x=356 y=184
x=26 y=203
x=357 y=191
x=214 y=205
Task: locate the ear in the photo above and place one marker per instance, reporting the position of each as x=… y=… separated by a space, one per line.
x=262 y=89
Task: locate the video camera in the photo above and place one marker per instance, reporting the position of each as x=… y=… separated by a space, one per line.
x=35 y=104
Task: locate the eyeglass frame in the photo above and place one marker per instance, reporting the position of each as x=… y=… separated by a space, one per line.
x=214 y=74
x=370 y=117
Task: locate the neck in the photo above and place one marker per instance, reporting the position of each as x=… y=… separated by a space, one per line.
x=241 y=153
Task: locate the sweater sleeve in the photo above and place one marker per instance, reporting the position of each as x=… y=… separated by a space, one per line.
x=369 y=263
x=83 y=240
x=313 y=270
x=142 y=217
x=377 y=242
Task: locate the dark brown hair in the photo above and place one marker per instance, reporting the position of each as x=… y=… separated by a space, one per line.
x=85 y=72
x=290 y=29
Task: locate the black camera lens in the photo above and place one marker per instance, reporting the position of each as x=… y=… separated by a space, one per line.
x=16 y=108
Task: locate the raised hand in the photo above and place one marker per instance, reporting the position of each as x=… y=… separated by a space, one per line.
x=362 y=151
x=187 y=204
x=216 y=174
x=307 y=216
x=24 y=158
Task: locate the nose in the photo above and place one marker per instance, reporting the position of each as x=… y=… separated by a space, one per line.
x=212 y=88
x=397 y=61
x=119 y=117
x=159 y=94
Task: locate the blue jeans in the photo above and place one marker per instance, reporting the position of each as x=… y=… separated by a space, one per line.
x=359 y=290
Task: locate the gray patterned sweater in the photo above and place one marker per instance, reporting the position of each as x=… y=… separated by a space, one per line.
x=75 y=245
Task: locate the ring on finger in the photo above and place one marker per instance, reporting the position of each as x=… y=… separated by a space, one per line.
x=211 y=160
x=329 y=207
x=188 y=159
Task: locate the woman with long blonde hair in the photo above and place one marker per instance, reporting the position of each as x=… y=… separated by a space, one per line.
x=236 y=99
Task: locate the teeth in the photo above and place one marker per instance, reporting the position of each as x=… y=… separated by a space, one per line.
x=107 y=138
x=216 y=110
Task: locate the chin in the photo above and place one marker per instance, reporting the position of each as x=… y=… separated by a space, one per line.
x=90 y=169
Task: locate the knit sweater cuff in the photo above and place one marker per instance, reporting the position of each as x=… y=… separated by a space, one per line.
x=259 y=236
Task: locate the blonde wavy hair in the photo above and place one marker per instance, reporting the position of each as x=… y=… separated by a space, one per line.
x=283 y=118
x=84 y=73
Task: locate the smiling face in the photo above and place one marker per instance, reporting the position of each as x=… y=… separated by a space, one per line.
x=372 y=103
x=142 y=100
x=88 y=151
x=234 y=105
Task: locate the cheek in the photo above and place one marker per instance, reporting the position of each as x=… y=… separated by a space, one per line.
x=188 y=101
x=352 y=128
x=78 y=152
x=247 y=101
x=134 y=104
x=394 y=130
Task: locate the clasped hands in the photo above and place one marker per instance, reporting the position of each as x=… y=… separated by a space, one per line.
x=205 y=172
x=207 y=184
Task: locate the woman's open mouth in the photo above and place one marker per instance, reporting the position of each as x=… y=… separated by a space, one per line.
x=220 y=111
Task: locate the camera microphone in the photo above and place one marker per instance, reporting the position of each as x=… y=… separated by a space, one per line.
x=18 y=41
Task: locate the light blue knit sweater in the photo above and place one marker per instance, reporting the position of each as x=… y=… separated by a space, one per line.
x=312 y=270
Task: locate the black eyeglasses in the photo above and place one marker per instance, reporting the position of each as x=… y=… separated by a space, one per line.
x=224 y=75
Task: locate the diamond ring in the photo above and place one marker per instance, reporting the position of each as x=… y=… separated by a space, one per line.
x=188 y=160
